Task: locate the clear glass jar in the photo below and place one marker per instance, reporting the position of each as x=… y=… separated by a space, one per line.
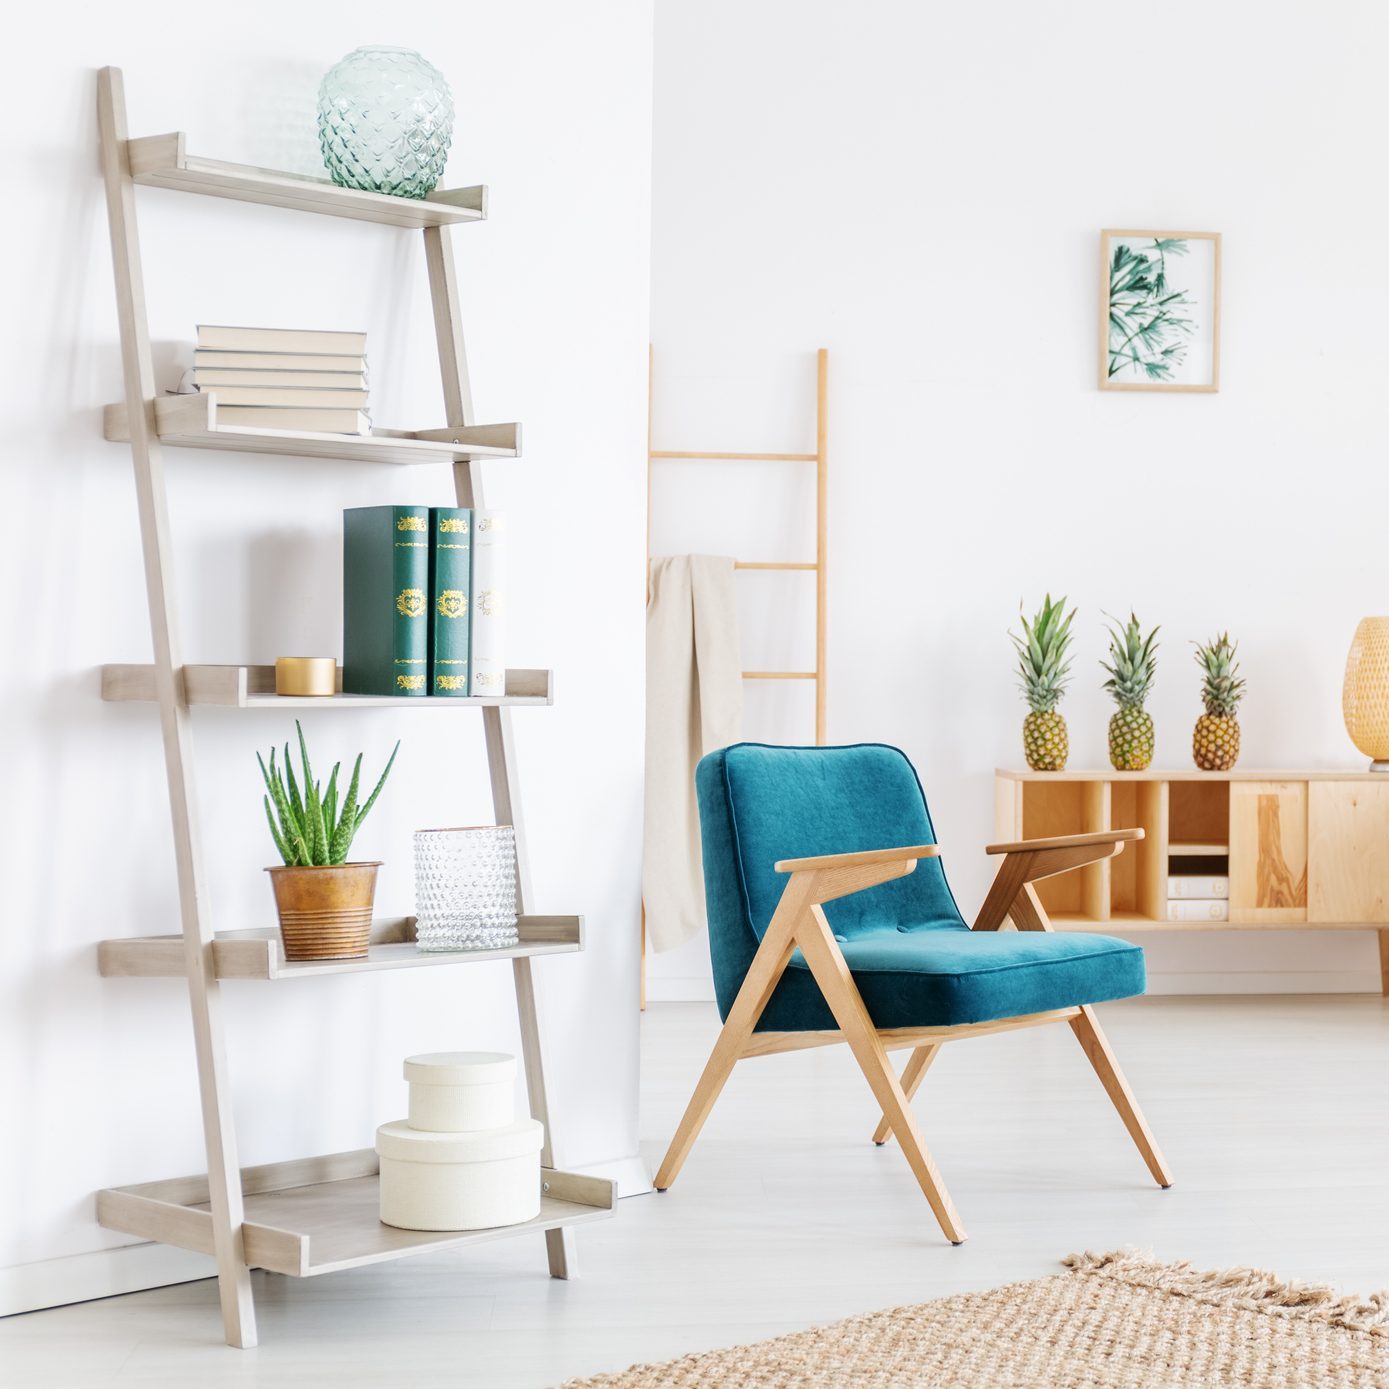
x=465 y=888
x=385 y=122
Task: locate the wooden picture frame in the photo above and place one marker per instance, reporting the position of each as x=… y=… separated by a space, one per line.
x=1173 y=343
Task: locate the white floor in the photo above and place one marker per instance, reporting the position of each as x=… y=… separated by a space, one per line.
x=1274 y=1113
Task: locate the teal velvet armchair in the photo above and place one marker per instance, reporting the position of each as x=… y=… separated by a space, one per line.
x=830 y=920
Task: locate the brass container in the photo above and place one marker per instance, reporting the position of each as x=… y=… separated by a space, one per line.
x=325 y=912
x=306 y=675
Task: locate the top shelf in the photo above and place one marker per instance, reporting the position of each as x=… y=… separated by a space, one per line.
x=1191 y=774
x=162 y=161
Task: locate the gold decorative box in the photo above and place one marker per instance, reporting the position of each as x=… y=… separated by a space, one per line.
x=306 y=675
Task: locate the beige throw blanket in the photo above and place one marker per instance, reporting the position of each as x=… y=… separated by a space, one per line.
x=694 y=704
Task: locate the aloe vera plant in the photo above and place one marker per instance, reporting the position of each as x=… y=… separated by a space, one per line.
x=311 y=827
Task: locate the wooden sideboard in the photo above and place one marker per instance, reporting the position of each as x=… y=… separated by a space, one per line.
x=1303 y=850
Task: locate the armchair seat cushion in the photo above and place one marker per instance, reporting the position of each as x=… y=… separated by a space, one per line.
x=939 y=977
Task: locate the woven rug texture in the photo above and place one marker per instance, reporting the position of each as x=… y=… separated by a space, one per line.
x=1115 y=1321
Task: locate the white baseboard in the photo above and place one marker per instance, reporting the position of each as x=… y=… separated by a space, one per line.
x=127 y=1268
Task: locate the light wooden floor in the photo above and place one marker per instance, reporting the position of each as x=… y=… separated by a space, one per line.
x=1274 y=1113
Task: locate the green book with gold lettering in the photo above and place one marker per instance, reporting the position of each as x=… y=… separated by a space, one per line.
x=385 y=600
x=450 y=538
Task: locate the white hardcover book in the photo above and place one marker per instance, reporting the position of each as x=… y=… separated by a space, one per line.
x=277 y=397
x=1189 y=885
x=298 y=419
x=208 y=377
x=234 y=339
x=487 y=661
x=280 y=361
x=1198 y=909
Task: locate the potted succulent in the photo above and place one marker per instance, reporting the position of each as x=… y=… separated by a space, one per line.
x=324 y=902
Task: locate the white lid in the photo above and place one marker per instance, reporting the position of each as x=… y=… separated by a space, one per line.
x=404 y=1144
x=461 y=1068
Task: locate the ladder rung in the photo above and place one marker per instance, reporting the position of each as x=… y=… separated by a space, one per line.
x=741 y=457
x=770 y=564
x=780 y=675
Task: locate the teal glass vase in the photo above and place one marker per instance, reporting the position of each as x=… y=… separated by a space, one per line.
x=385 y=122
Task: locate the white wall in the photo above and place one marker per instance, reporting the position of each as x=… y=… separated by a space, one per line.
x=919 y=188
x=553 y=113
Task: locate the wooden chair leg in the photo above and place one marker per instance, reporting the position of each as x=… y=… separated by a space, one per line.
x=767 y=967
x=836 y=983
x=918 y=1063
x=1096 y=1046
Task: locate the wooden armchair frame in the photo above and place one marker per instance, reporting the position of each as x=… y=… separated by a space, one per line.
x=799 y=922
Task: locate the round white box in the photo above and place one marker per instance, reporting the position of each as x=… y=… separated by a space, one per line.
x=461 y=1091
x=459 y=1181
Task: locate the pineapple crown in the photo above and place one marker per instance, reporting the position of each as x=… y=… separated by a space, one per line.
x=1043 y=665
x=1132 y=662
x=1221 y=685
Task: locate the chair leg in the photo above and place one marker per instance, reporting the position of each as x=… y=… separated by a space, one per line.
x=836 y=983
x=918 y=1063
x=767 y=967
x=1096 y=1046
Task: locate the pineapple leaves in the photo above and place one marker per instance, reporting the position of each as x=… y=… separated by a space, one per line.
x=1132 y=662
x=311 y=826
x=1221 y=685
x=1043 y=663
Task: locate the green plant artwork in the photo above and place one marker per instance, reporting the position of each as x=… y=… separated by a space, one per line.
x=1150 y=323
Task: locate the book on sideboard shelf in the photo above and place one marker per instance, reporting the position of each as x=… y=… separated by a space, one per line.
x=385 y=585
x=487 y=661
x=450 y=588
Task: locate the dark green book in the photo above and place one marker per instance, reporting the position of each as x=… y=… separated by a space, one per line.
x=385 y=600
x=450 y=539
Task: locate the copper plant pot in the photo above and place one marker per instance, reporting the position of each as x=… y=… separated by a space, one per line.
x=325 y=912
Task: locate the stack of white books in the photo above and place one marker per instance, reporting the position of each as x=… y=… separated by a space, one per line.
x=285 y=378
x=1193 y=897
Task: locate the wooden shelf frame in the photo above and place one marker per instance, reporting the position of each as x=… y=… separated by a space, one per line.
x=163 y=161
x=253 y=687
x=258 y=954
x=1302 y=849
x=192 y=422
x=318 y=1214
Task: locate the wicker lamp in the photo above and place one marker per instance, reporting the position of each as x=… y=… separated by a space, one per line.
x=1365 y=697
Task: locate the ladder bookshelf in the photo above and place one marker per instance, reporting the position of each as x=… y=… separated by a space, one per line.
x=318 y=1214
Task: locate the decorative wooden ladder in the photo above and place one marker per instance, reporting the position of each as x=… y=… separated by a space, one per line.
x=319 y=1214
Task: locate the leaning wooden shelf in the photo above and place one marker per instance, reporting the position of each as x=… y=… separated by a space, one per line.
x=319 y=1215
x=163 y=161
x=313 y=1215
x=258 y=953
x=253 y=687
x=192 y=422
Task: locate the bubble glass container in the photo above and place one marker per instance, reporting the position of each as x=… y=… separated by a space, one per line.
x=385 y=122
x=465 y=888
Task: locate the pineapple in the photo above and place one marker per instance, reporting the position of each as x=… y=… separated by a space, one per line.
x=1131 y=668
x=1215 y=743
x=1043 y=668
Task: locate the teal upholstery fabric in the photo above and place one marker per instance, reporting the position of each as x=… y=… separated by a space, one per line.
x=914 y=960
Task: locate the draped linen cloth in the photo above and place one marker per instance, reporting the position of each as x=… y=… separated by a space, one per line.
x=694 y=705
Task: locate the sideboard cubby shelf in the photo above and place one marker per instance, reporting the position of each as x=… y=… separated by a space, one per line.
x=311 y=1215
x=1302 y=850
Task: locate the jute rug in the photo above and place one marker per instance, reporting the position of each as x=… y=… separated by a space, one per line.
x=1115 y=1321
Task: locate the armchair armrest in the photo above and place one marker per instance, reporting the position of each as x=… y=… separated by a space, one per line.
x=1029 y=860
x=827 y=876
x=1066 y=841
x=863 y=859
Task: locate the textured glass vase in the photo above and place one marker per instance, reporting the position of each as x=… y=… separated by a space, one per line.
x=385 y=122
x=465 y=888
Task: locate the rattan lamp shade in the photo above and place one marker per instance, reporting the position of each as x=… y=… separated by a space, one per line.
x=1365 y=697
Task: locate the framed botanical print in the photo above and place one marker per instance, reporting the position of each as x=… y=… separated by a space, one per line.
x=1159 y=311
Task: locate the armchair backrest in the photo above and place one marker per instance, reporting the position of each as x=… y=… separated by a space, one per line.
x=759 y=804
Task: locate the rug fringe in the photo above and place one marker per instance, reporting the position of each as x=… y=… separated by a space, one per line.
x=1253 y=1289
